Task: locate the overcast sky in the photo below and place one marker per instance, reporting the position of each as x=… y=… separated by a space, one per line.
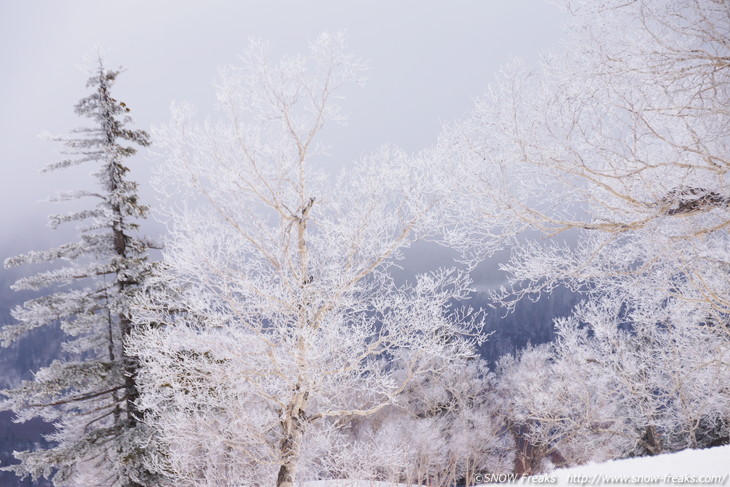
x=427 y=61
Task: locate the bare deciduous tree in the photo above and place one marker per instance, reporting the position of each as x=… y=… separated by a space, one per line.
x=286 y=322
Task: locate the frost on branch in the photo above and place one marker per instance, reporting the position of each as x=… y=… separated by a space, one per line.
x=280 y=320
x=615 y=153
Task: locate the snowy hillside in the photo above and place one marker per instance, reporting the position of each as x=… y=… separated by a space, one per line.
x=689 y=467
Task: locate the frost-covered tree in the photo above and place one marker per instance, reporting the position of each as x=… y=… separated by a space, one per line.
x=90 y=393
x=620 y=140
x=666 y=375
x=605 y=389
x=615 y=151
x=561 y=409
x=284 y=322
x=443 y=429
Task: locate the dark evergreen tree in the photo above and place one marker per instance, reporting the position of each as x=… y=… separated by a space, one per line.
x=90 y=394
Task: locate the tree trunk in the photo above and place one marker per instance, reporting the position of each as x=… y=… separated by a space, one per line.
x=292 y=425
x=651 y=441
x=290 y=452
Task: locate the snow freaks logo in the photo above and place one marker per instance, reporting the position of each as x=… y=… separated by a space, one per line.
x=507 y=478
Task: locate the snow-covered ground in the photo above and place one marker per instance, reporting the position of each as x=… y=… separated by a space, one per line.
x=689 y=467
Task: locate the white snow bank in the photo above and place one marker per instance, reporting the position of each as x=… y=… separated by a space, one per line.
x=710 y=467
x=689 y=467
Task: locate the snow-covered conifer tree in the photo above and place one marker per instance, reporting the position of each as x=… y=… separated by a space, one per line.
x=90 y=393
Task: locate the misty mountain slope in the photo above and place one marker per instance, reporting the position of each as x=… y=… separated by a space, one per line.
x=530 y=322
x=20 y=437
x=38 y=349
x=18 y=362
